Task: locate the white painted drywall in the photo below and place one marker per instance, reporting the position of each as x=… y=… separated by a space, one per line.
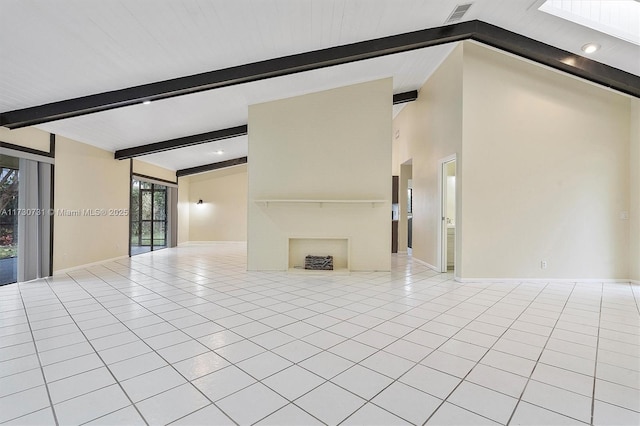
x=326 y=146
x=222 y=216
x=545 y=172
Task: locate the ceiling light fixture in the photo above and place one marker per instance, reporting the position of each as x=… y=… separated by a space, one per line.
x=219 y=152
x=590 y=47
x=147 y=102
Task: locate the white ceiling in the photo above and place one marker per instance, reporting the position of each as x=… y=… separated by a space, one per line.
x=198 y=155
x=56 y=50
x=227 y=107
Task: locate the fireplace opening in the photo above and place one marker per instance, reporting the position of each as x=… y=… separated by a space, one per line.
x=318 y=263
x=319 y=254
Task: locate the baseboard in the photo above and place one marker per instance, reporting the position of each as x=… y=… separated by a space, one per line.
x=88 y=265
x=316 y=272
x=428 y=265
x=207 y=243
x=542 y=280
x=31 y=281
x=635 y=282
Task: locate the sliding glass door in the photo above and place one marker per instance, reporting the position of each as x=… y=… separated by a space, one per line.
x=148 y=217
x=8 y=219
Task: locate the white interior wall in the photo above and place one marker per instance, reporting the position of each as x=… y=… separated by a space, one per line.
x=183 y=209
x=28 y=137
x=543 y=169
x=430 y=129
x=88 y=178
x=331 y=145
x=223 y=214
x=546 y=172
x=151 y=170
x=634 y=192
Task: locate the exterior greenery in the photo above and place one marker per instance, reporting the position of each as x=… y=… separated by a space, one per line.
x=8 y=205
x=148 y=205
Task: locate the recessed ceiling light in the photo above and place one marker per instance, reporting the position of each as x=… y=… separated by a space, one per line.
x=219 y=152
x=146 y=102
x=590 y=47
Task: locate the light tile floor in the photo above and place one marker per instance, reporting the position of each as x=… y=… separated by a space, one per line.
x=187 y=336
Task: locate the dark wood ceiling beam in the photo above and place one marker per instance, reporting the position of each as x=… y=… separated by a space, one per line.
x=232 y=132
x=236 y=75
x=212 y=166
x=477 y=30
x=182 y=142
x=559 y=59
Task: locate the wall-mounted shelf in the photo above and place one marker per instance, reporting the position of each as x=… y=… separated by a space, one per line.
x=319 y=202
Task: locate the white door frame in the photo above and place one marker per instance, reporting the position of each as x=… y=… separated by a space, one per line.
x=442 y=234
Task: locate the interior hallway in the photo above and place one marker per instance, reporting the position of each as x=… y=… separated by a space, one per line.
x=187 y=335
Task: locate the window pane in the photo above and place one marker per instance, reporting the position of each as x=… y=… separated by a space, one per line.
x=135 y=232
x=159 y=233
x=160 y=205
x=146 y=205
x=8 y=219
x=146 y=233
x=135 y=201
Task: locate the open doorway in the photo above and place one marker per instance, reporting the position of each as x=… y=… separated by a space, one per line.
x=448 y=214
x=409 y=213
x=406 y=208
x=149 y=223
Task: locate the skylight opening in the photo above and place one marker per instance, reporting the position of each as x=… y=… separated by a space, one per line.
x=618 y=18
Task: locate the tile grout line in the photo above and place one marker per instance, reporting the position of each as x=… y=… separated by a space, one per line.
x=101 y=359
x=397 y=338
x=297 y=298
x=154 y=351
x=197 y=313
x=595 y=365
x=44 y=379
x=279 y=278
x=635 y=298
x=487 y=351
x=346 y=338
x=296 y=320
x=418 y=363
x=538 y=360
x=234 y=364
x=359 y=362
x=433 y=350
x=414 y=328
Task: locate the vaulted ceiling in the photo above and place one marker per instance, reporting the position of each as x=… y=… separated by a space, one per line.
x=52 y=51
